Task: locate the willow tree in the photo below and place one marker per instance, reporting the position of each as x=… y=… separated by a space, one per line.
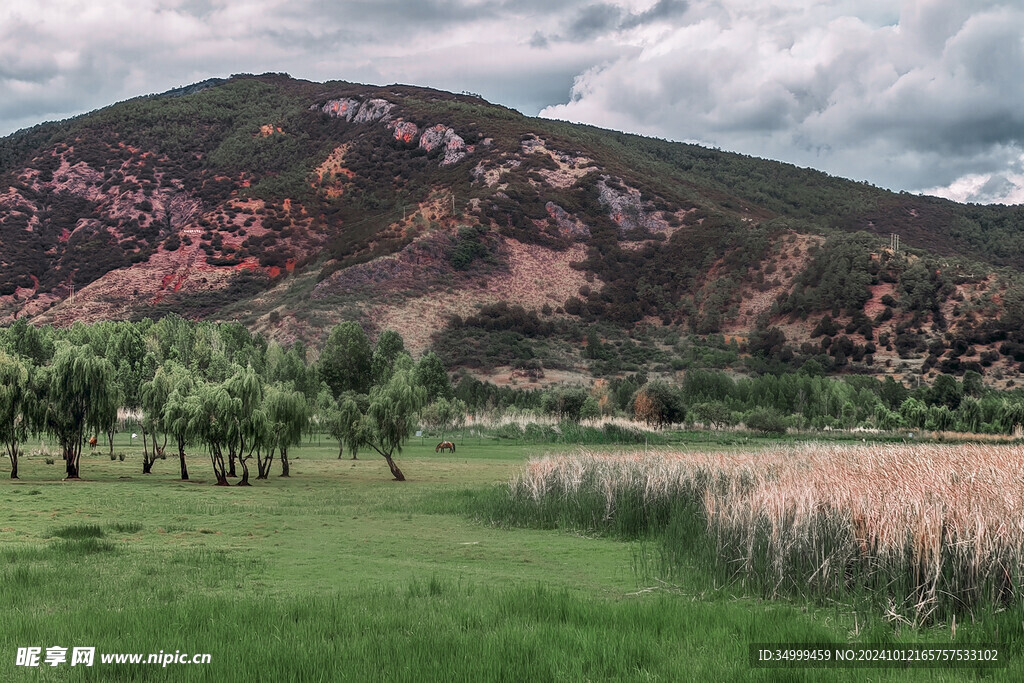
x=209 y=412
x=153 y=397
x=126 y=350
x=391 y=414
x=16 y=398
x=175 y=413
x=341 y=419
x=247 y=418
x=287 y=415
x=77 y=394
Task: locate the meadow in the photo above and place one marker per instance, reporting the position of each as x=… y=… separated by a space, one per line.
x=339 y=573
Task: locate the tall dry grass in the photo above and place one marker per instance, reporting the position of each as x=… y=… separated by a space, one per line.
x=927 y=530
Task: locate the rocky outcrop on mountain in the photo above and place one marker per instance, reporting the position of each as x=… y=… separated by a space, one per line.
x=568 y=225
x=373 y=110
x=627 y=207
x=406 y=131
x=358 y=112
x=568 y=167
x=442 y=136
x=490 y=174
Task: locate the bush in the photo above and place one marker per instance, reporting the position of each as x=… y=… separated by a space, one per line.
x=766 y=421
x=658 y=404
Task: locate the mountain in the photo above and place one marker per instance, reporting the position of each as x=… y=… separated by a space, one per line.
x=516 y=247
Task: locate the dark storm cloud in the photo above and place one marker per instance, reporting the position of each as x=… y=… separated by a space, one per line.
x=593 y=21
x=663 y=10
x=598 y=19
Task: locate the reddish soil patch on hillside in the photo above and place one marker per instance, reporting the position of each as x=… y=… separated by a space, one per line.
x=874 y=306
x=535 y=276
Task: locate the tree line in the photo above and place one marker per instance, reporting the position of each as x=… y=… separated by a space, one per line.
x=217 y=386
x=247 y=401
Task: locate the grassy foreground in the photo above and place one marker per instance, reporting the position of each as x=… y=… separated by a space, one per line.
x=338 y=573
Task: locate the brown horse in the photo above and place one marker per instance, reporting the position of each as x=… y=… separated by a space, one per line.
x=445 y=446
x=93 y=442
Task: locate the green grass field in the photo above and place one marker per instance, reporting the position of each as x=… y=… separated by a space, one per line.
x=339 y=573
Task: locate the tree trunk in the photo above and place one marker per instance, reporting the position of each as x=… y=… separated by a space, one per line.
x=284 y=462
x=181 y=458
x=217 y=459
x=231 y=464
x=394 y=469
x=110 y=440
x=14 y=465
x=147 y=465
x=341 y=450
x=245 y=472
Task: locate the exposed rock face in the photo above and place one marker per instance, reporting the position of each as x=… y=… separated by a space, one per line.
x=374 y=110
x=571 y=167
x=567 y=224
x=342 y=109
x=628 y=209
x=356 y=111
x=490 y=175
x=443 y=136
x=406 y=131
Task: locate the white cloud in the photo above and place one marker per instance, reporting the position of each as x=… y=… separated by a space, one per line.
x=837 y=86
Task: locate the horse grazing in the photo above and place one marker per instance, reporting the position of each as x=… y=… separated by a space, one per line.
x=93 y=441
x=445 y=446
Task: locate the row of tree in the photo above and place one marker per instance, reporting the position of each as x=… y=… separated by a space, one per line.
x=217 y=386
x=246 y=400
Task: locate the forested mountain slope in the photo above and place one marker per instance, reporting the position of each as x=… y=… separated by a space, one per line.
x=525 y=248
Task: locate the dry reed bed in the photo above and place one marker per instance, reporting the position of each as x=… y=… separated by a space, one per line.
x=928 y=526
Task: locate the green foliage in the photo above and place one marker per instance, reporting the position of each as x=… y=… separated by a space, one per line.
x=287 y=417
x=16 y=407
x=77 y=395
x=565 y=403
x=837 y=278
x=389 y=345
x=432 y=376
x=472 y=244
x=30 y=342
x=345 y=360
x=211 y=412
x=715 y=414
x=765 y=420
x=659 y=405
x=391 y=415
x=443 y=415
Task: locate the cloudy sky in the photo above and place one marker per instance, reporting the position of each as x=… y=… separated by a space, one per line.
x=916 y=95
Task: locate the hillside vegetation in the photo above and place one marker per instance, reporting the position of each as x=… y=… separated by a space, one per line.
x=523 y=249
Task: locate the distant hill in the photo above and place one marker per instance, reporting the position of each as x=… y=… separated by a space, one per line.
x=521 y=248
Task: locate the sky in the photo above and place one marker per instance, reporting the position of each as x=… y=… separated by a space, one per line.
x=916 y=95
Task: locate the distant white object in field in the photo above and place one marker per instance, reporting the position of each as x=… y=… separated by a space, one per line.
x=134 y=435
